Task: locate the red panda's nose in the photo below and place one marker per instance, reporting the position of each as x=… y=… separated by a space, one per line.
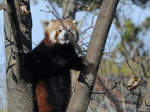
x=66 y=35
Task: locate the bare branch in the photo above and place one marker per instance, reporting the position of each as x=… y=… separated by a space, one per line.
x=110 y=96
x=126 y=59
x=110 y=89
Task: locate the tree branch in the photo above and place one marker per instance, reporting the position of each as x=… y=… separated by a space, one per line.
x=81 y=97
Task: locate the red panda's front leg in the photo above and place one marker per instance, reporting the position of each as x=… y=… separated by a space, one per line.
x=77 y=64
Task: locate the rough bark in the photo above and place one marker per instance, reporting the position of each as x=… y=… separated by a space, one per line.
x=17 y=28
x=145 y=103
x=69 y=9
x=81 y=96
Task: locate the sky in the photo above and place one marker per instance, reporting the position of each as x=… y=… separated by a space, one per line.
x=137 y=16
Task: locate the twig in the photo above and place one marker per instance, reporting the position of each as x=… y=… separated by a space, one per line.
x=104 y=92
x=9 y=67
x=9 y=44
x=91 y=26
x=9 y=61
x=132 y=70
x=110 y=96
x=89 y=8
x=54 y=10
x=140 y=63
x=49 y=11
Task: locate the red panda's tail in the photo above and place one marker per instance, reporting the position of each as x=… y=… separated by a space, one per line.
x=42 y=101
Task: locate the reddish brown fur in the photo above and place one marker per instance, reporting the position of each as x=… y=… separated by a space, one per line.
x=46 y=40
x=41 y=95
x=40 y=90
x=55 y=26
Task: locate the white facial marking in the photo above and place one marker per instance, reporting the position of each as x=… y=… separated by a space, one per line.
x=61 y=36
x=68 y=28
x=52 y=36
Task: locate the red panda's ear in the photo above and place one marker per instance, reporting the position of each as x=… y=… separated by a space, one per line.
x=45 y=23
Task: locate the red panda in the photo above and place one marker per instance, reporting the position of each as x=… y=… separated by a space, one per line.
x=48 y=65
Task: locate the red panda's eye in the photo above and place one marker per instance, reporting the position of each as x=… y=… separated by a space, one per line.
x=59 y=30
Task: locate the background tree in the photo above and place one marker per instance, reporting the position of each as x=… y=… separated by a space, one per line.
x=17 y=28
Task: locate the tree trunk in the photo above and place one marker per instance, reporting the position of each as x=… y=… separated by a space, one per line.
x=69 y=9
x=17 y=29
x=81 y=97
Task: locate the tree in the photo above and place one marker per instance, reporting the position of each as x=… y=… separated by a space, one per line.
x=81 y=97
x=69 y=9
x=130 y=64
x=17 y=28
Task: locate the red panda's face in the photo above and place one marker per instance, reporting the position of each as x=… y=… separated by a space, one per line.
x=60 y=31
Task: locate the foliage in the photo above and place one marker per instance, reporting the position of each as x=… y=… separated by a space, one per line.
x=130 y=31
x=146 y=23
x=4 y=110
x=131 y=49
x=110 y=67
